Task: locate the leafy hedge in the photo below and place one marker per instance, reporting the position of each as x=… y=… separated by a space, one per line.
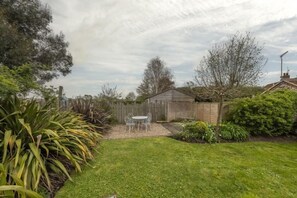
x=39 y=141
x=270 y=114
x=197 y=132
x=233 y=132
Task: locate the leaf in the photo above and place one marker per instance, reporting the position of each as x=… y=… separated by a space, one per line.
x=27 y=178
x=20 y=189
x=50 y=132
x=27 y=127
x=2 y=175
x=45 y=148
x=14 y=113
x=62 y=167
x=36 y=153
x=18 y=142
x=5 y=144
x=17 y=180
x=22 y=165
x=58 y=124
x=11 y=143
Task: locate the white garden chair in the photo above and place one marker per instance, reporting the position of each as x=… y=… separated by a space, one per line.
x=129 y=123
x=147 y=122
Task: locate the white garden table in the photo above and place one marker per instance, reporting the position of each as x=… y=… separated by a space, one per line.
x=139 y=119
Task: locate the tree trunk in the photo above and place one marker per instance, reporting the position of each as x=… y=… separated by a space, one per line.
x=219 y=119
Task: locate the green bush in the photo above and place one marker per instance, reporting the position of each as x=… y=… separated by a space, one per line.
x=39 y=141
x=268 y=114
x=197 y=132
x=233 y=132
x=209 y=135
x=198 y=127
x=92 y=112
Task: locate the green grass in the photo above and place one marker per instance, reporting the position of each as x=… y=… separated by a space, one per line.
x=164 y=167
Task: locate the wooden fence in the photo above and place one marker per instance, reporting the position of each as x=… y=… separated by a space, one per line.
x=168 y=111
x=158 y=110
x=207 y=111
x=204 y=111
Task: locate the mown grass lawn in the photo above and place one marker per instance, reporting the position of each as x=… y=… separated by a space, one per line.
x=164 y=167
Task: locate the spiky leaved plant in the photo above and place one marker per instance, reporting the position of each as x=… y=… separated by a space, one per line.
x=38 y=140
x=8 y=190
x=92 y=111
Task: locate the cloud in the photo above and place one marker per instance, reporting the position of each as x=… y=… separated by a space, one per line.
x=112 y=41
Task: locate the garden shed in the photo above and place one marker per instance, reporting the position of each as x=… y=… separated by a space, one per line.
x=171 y=95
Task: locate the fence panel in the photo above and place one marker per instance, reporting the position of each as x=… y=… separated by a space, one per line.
x=158 y=110
x=203 y=111
x=181 y=110
x=168 y=111
x=207 y=111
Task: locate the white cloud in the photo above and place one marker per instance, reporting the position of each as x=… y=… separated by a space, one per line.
x=112 y=41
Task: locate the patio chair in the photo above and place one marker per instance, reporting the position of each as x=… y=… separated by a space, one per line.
x=129 y=123
x=147 y=122
x=130 y=115
x=149 y=115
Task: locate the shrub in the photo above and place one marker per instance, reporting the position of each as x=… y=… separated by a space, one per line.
x=229 y=131
x=197 y=132
x=209 y=135
x=38 y=140
x=198 y=127
x=268 y=114
x=92 y=111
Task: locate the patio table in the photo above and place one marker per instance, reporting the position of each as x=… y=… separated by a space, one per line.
x=139 y=119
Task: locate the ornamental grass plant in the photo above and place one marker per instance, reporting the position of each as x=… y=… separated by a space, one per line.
x=38 y=141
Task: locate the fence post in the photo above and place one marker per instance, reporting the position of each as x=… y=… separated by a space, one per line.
x=60 y=93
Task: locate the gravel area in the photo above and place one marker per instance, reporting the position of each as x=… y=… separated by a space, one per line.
x=120 y=131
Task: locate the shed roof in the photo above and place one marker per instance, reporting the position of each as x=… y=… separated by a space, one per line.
x=170 y=90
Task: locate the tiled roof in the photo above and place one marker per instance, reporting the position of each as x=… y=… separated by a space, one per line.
x=289 y=81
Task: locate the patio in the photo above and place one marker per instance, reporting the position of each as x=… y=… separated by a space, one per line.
x=120 y=132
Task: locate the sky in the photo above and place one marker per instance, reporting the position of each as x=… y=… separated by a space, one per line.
x=112 y=41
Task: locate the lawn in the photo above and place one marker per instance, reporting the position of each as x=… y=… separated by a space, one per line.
x=164 y=167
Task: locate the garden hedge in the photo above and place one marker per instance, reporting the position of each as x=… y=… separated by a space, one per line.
x=270 y=114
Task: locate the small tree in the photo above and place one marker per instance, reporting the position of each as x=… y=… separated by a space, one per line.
x=110 y=93
x=229 y=65
x=156 y=78
x=131 y=96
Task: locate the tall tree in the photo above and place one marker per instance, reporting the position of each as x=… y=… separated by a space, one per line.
x=229 y=65
x=156 y=78
x=25 y=37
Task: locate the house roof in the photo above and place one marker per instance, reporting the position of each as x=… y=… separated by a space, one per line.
x=290 y=81
x=175 y=89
